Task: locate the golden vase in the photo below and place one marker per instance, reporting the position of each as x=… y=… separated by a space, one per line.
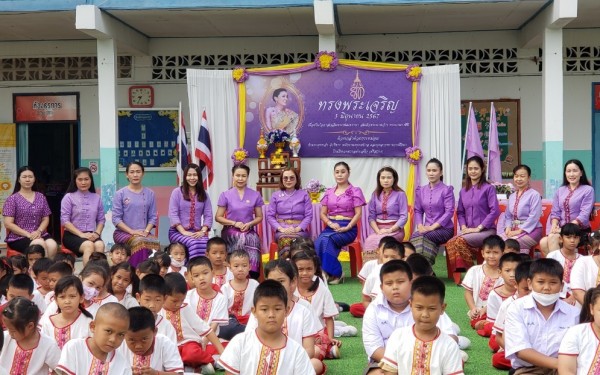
x=262 y=146
x=314 y=196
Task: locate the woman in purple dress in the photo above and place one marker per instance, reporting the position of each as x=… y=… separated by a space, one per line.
x=477 y=212
x=27 y=215
x=573 y=203
x=289 y=212
x=434 y=208
x=190 y=213
x=239 y=210
x=82 y=216
x=522 y=215
x=388 y=211
x=134 y=215
x=341 y=208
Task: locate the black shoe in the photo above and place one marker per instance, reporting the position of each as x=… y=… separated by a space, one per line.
x=343 y=307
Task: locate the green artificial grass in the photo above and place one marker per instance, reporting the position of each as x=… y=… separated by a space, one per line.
x=354 y=358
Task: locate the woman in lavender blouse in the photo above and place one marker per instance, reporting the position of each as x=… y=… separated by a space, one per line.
x=477 y=212
x=341 y=208
x=82 y=215
x=27 y=215
x=239 y=210
x=388 y=211
x=190 y=213
x=434 y=208
x=134 y=215
x=522 y=215
x=289 y=212
x=573 y=203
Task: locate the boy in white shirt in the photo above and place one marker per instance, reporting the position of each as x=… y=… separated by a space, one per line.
x=372 y=287
x=190 y=329
x=499 y=360
x=145 y=350
x=98 y=354
x=372 y=266
x=151 y=295
x=211 y=306
x=266 y=349
x=422 y=347
x=536 y=324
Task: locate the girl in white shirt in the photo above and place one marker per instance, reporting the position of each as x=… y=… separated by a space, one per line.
x=310 y=288
x=578 y=352
x=72 y=320
x=124 y=284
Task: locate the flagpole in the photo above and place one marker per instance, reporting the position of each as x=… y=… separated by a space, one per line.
x=487 y=169
x=466 y=136
x=179 y=174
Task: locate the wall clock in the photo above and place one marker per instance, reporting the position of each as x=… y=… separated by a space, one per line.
x=141 y=96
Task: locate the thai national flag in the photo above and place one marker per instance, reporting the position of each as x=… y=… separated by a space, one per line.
x=203 y=152
x=183 y=154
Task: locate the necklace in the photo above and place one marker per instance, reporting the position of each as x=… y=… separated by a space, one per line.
x=284 y=193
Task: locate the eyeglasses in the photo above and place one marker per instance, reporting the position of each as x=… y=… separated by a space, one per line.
x=288 y=178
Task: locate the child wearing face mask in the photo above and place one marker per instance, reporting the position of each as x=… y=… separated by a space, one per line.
x=536 y=324
x=179 y=257
x=94 y=278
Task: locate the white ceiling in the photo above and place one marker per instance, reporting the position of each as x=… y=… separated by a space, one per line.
x=351 y=19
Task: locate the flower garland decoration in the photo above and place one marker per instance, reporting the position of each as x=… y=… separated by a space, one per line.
x=413 y=154
x=413 y=73
x=326 y=61
x=240 y=74
x=239 y=156
x=314 y=186
x=278 y=136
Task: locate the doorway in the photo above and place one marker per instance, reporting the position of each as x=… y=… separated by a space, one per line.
x=51 y=149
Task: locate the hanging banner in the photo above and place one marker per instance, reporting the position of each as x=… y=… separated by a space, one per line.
x=8 y=164
x=346 y=109
x=44 y=108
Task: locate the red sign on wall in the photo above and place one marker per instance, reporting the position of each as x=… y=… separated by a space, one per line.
x=37 y=108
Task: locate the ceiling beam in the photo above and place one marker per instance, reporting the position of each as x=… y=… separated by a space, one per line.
x=98 y=24
x=557 y=15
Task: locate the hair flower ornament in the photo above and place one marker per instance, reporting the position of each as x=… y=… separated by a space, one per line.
x=326 y=61
x=239 y=156
x=240 y=74
x=414 y=73
x=413 y=154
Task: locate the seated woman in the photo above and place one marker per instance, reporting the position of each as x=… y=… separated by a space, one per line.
x=239 y=210
x=134 y=215
x=27 y=215
x=340 y=211
x=289 y=212
x=573 y=203
x=434 y=208
x=82 y=215
x=522 y=215
x=477 y=212
x=388 y=212
x=190 y=213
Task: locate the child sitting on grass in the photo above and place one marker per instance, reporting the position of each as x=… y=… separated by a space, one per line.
x=499 y=361
x=481 y=279
x=423 y=347
x=536 y=324
x=567 y=256
x=266 y=349
x=508 y=263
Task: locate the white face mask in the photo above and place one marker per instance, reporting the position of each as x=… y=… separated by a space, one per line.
x=89 y=293
x=177 y=263
x=545 y=299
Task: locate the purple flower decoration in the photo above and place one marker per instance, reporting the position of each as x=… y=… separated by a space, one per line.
x=413 y=72
x=240 y=74
x=326 y=61
x=239 y=156
x=413 y=154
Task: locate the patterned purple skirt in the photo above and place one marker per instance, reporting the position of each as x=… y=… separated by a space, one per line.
x=141 y=247
x=248 y=241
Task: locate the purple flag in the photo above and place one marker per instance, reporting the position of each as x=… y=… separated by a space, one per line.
x=472 y=141
x=494 y=166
